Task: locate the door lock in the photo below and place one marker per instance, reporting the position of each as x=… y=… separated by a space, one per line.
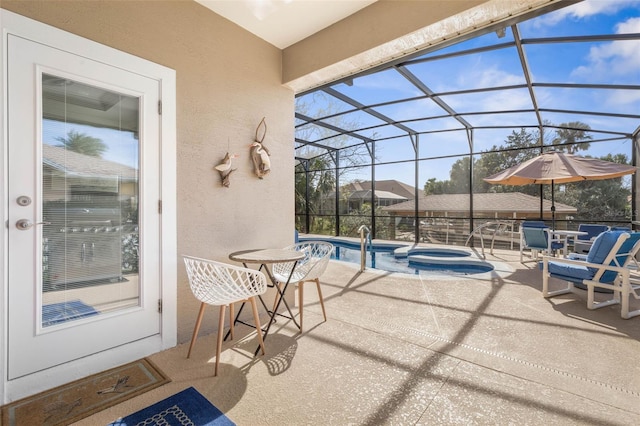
x=24 y=224
x=23 y=200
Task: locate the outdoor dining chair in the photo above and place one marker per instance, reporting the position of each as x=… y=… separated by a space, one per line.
x=605 y=268
x=534 y=235
x=219 y=284
x=582 y=243
x=310 y=268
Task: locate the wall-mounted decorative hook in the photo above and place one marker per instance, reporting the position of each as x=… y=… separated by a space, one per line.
x=225 y=168
x=259 y=153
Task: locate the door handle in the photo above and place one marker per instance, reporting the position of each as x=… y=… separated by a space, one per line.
x=24 y=224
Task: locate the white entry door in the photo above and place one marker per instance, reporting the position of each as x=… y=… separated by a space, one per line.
x=84 y=220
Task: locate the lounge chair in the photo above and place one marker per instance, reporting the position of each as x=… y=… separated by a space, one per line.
x=605 y=267
x=534 y=235
x=582 y=243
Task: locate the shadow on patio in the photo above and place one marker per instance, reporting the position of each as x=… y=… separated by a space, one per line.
x=400 y=349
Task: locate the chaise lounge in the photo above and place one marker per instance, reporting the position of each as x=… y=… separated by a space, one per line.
x=606 y=267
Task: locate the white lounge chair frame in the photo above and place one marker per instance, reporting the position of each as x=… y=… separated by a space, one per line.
x=622 y=286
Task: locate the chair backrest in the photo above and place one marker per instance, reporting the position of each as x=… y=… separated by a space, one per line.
x=217 y=283
x=533 y=224
x=621 y=228
x=612 y=248
x=315 y=261
x=535 y=237
x=592 y=230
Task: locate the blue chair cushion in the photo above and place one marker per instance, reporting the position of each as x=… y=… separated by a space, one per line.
x=592 y=230
x=573 y=273
x=556 y=245
x=602 y=247
x=535 y=238
x=599 y=251
x=627 y=246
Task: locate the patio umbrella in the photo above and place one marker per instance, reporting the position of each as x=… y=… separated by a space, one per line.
x=558 y=167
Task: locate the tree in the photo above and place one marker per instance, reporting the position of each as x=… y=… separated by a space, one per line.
x=315 y=179
x=606 y=199
x=572 y=137
x=518 y=147
x=82 y=144
x=434 y=187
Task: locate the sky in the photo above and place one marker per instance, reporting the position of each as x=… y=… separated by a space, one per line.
x=616 y=62
x=122 y=146
x=611 y=62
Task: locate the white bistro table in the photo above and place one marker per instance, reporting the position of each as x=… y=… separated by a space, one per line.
x=265 y=257
x=564 y=235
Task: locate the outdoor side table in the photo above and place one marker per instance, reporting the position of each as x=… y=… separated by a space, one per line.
x=565 y=235
x=265 y=257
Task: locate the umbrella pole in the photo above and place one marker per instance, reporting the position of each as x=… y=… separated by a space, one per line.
x=553 y=206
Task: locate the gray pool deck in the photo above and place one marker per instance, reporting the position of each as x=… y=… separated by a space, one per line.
x=418 y=350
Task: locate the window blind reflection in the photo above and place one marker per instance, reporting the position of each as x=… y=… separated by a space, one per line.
x=90 y=192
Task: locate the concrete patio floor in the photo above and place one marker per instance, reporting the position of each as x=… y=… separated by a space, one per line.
x=410 y=350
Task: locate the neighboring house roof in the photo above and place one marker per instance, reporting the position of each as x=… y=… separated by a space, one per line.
x=393 y=186
x=380 y=195
x=482 y=202
x=81 y=165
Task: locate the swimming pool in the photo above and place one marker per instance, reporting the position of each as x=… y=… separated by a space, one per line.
x=434 y=252
x=407 y=259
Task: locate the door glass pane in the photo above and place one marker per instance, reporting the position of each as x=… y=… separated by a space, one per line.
x=90 y=192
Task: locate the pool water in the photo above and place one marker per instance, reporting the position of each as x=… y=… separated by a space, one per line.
x=452 y=268
x=425 y=260
x=383 y=259
x=440 y=252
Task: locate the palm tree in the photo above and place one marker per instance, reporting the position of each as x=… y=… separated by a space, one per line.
x=572 y=136
x=82 y=144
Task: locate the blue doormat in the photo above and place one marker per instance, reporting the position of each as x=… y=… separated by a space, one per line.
x=57 y=313
x=188 y=407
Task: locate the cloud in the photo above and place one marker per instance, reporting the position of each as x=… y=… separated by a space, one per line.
x=624 y=97
x=488 y=77
x=480 y=77
x=506 y=100
x=584 y=10
x=416 y=109
x=617 y=58
x=387 y=81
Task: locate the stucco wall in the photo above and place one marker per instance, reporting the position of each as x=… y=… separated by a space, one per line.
x=227 y=80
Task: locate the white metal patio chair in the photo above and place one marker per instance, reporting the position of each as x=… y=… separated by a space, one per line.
x=317 y=255
x=605 y=269
x=534 y=235
x=220 y=284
